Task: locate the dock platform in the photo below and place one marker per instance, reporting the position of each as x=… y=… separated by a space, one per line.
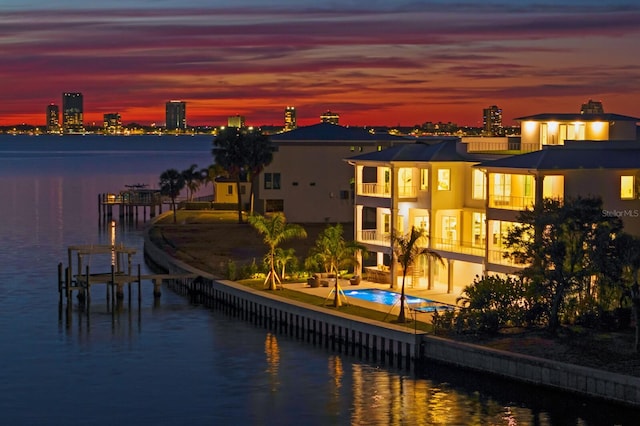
x=80 y=279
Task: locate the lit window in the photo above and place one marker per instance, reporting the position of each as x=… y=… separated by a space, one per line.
x=627 y=187
x=479 y=185
x=553 y=187
x=444 y=179
x=424 y=179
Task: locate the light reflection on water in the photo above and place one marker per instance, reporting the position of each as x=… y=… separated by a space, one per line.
x=169 y=362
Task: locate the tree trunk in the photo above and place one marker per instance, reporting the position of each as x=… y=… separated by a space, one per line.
x=251 y=195
x=554 y=321
x=239 y=199
x=402 y=317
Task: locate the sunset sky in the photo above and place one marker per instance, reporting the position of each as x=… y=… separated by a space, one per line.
x=392 y=62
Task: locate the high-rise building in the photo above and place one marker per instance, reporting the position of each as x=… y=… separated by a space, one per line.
x=53 y=118
x=330 y=117
x=290 y=118
x=592 y=107
x=176 y=116
x=492 y=121
x=112 y=123
x=236 y=121
x=72 y=110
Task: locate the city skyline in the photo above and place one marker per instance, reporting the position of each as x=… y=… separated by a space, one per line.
x=372 y=63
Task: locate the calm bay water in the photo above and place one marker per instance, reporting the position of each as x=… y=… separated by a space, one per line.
x=169 y=362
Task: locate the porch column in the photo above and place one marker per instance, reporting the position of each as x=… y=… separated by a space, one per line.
x=430 y=269
x=449 y=276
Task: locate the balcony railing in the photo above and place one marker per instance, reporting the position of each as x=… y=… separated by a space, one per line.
x=374 y=189
x=455 y=246
x=407 y=191
x=508 y=202
x=373 y=236
x=497 y=257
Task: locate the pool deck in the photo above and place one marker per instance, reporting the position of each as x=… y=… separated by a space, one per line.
x=437 y=296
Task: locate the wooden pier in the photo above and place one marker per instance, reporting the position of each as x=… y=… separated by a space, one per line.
x=130 y=201
x=81 y=279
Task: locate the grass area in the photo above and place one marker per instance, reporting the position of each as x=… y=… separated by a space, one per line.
x=322 y=302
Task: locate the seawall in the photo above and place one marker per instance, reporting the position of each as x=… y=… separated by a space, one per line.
x=389 y=344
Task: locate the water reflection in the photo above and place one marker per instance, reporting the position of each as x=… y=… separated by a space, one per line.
x=272 y=352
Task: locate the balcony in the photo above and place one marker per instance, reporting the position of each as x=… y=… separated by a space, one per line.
x=407 y=191
x=508 y=202
x=497 y=257
x=455 y=246
x=374 y=189
x=373 y=236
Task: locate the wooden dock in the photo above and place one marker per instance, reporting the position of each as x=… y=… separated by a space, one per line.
x=129 y=201
x=81 y=279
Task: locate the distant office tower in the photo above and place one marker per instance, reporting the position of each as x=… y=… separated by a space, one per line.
x=176 y=116
x=53 y=118
x=72 y=111
x=492 y=121
x=112 y=123
x=236 y=121
x=592 y=107
x=290 y=118
x=330 y=117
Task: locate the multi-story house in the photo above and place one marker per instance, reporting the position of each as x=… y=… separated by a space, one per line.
x=610 y=170
x=428 y=186
x=467 y=199
x=308 y=180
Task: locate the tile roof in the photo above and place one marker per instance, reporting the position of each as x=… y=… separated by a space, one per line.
x=568 y=158
x=417 y=152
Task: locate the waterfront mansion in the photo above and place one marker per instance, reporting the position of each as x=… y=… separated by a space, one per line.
x=464 y=192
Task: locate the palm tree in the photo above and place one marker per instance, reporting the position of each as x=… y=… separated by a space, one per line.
x=284 y=257
x=230 y=153
x=260 y=154
x=334 y=253
x=242 y=152
x=171 y=183
x=275 y=229
x=192 y=180
x=406 y=251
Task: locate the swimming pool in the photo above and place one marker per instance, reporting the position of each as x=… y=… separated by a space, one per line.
x=389 y=298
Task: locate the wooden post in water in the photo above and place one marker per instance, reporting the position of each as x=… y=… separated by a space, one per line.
x=88 y=287
x=157 y=292
x=139 y=292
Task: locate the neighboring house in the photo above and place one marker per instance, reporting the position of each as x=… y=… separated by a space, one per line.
x=307 y=179
x=466 y=201
x=226 y=191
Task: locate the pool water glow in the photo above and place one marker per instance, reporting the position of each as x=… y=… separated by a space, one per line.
x=390 y=298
